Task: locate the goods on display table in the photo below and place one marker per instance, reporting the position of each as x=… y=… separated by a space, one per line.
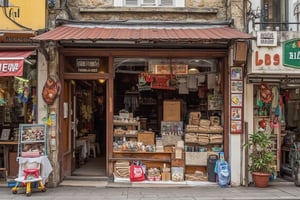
x=180 y=152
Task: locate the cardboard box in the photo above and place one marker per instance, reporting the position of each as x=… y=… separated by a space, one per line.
x=146 y=137
x=166 y=176
x=172 y=110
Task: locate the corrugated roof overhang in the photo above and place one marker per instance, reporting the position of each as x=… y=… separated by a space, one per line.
x=76 y=32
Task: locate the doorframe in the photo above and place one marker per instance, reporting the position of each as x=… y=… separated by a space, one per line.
x=109 y=79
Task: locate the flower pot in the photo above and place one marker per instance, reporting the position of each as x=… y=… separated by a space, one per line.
x=261 y=179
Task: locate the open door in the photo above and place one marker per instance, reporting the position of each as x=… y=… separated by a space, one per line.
x=67 y=147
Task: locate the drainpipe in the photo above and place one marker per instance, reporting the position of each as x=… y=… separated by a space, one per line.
x=246 y=156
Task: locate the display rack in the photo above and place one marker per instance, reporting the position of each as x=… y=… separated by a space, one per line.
x=32 y=140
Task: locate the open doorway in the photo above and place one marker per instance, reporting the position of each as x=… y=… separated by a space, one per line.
x=90 y=124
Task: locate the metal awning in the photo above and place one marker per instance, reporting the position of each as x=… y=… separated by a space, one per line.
x=76 y=32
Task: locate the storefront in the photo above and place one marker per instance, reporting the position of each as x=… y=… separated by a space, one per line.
x=151 y=86
x=19 y=82
x=18 y=97
x=272 y=95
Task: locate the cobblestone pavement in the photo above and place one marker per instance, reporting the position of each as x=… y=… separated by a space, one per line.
x=285 y=191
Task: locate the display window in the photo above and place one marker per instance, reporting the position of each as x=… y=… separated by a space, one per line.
x=168 y=116
x=18 y=100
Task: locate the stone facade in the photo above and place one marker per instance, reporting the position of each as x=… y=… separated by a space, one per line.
x=195 y=10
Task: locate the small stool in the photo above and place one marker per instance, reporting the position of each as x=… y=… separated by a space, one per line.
x=34 y=171
x=4 y=172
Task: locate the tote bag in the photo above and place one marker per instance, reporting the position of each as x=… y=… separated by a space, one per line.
x=136 y=173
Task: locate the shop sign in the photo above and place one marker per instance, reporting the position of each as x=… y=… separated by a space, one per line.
x=291 y=53
x=269 y=60
x=87 y=65
x=164 y=82
x=12 y=37
x=20 y=15
x=11 y=67
x=267 y=38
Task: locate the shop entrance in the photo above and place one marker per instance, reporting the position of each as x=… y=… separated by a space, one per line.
x=89 y=121
x=276 y=111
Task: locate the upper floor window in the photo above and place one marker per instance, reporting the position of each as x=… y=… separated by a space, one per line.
x=275 y=14
x=149 y=3
x=297 y=14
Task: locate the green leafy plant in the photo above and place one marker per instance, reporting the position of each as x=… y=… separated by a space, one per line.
x=261 y=154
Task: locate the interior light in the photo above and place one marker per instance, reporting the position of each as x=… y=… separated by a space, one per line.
x=193 y=71
x=101 y=81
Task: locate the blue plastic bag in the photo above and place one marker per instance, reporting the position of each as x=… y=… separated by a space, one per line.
x=222 y=169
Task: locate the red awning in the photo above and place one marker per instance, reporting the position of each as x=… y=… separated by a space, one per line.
x=94 y=33
x=11 y=62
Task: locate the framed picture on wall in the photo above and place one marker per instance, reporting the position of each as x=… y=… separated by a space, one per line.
x=5 y=134
x=236 y=99
x=236 y=73
x=236 y=126
x=236 y=86
x=162 y=69
x=236 y=113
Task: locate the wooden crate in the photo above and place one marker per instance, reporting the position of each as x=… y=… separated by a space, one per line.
x=146 y=137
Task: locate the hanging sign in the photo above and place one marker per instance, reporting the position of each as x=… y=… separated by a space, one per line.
x=291 y=53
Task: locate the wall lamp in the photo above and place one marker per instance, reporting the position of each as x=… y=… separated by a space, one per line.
x=240 y=53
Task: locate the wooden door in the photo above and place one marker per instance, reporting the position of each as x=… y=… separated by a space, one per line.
x=67 y=136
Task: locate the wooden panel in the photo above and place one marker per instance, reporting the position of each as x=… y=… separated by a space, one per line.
x=13 y=164
x=192 y=169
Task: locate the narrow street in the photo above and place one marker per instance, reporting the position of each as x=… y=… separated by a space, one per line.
x=282 y=191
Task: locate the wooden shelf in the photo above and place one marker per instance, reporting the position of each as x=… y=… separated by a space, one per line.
x=157 y=157
x=128 y=135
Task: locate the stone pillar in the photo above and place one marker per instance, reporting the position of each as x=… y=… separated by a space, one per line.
x=44 y=110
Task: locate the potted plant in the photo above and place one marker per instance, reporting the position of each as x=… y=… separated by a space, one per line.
x=262 y=157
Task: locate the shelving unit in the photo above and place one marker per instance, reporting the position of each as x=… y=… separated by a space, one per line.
x=200 y=144
x=149 y=109
x=125 y=131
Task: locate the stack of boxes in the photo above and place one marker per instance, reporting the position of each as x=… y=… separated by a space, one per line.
x=172 y=132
